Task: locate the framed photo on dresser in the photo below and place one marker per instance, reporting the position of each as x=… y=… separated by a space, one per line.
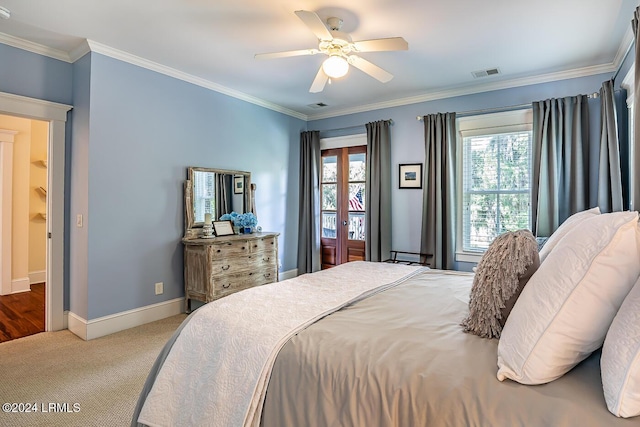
x=223 y=228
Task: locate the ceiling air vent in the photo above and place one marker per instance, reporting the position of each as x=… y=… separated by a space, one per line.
x=318 y=105
x=486 y=73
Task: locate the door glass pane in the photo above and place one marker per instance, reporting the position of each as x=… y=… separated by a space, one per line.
x=329 y=197
x=356 y=197
x=357 y=167
x=356 y=226
x=330 y=169
x=329 y=225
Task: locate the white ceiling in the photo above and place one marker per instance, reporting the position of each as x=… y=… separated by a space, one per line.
x=215 y=41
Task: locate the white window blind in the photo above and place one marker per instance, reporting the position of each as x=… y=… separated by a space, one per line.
x=496 y=177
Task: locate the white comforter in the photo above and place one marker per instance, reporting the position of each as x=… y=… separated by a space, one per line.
x=218 y=369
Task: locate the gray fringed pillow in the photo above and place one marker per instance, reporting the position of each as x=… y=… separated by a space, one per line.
x=502 y=273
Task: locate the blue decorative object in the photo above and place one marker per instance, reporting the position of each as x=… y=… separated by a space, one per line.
x=246 y=221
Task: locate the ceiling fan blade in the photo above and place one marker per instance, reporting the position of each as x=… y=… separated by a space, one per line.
x=380 y=45
x=319 y=82
x=369 y=68
x=286 y=54
x=315 y=24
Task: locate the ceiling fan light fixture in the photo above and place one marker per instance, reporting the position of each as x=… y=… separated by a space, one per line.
x=335 y=66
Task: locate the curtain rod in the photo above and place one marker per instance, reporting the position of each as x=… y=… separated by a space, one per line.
x=353 y=127
x=500 y=109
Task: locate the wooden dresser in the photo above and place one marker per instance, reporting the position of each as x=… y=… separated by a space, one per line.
x=218 y=266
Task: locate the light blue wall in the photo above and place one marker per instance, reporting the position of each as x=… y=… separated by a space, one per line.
x=145 y=130
x=36 y=76
x=77 y=182
x=407 y=139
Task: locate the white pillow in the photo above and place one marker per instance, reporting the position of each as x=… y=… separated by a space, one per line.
x=565 y=310
x=620 y=361
x=569 y=224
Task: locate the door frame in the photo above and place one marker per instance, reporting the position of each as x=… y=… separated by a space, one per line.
x=339 y=143
x=56 y=115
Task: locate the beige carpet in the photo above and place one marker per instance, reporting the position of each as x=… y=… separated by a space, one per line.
x=98 y=380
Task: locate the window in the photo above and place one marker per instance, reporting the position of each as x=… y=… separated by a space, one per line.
x=495 y=193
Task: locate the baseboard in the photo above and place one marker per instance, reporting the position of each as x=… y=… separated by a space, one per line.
x=37 y=276
x=95 y=328
x=20 y=285
x=290 y=274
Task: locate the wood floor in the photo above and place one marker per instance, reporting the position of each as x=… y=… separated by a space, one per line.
x=22 y=314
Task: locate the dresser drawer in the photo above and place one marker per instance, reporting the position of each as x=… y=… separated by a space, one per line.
x=242 y=265
x=230 y=249
x=229 y=283
x=265 y=244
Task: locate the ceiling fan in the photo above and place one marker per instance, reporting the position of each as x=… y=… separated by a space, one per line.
x=340 y=50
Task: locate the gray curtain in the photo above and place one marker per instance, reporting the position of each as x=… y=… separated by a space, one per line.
x=439 y=190
x=635 y=172
x=560 y=181
x=378 y=192
x=309 y=212
x=223 y=202
x=610 y=197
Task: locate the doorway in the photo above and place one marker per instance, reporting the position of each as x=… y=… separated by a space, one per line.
x=56 y=116
x=23 y=242
x=342 y=192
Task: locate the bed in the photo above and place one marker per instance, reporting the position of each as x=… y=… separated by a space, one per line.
x=389 y=351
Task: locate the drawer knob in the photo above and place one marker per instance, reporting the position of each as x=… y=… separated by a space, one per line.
x=267 y=275
x=243 y=248
x=250 y=273
x=255 y=246
x=226 y=267
x=226 y=286
x=266 y=259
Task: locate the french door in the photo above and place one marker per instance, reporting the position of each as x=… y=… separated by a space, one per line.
x=344 y=172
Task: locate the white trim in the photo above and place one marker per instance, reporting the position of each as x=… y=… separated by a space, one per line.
x=290 y=274
x=180 y=75
x=34 y=47
x=343 y=141
x=88 y=330
x=468 y=257
x=93 y=46
x=629 y=84
x=56 y=115
x=37 y=276
x=6 y=191
x=470 y=90
x=482 y=124
x=20 y=285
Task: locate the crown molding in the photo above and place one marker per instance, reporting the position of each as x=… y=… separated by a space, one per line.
x=172 y=72
x=470 y=90
x=624 y=48
x=92 y=46
x=34 y=47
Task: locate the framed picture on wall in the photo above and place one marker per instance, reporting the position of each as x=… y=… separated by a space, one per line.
x=410 y=175
x=238 y=184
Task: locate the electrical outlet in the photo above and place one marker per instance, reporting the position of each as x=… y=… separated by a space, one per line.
x=159 y=288
x=79 y=220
